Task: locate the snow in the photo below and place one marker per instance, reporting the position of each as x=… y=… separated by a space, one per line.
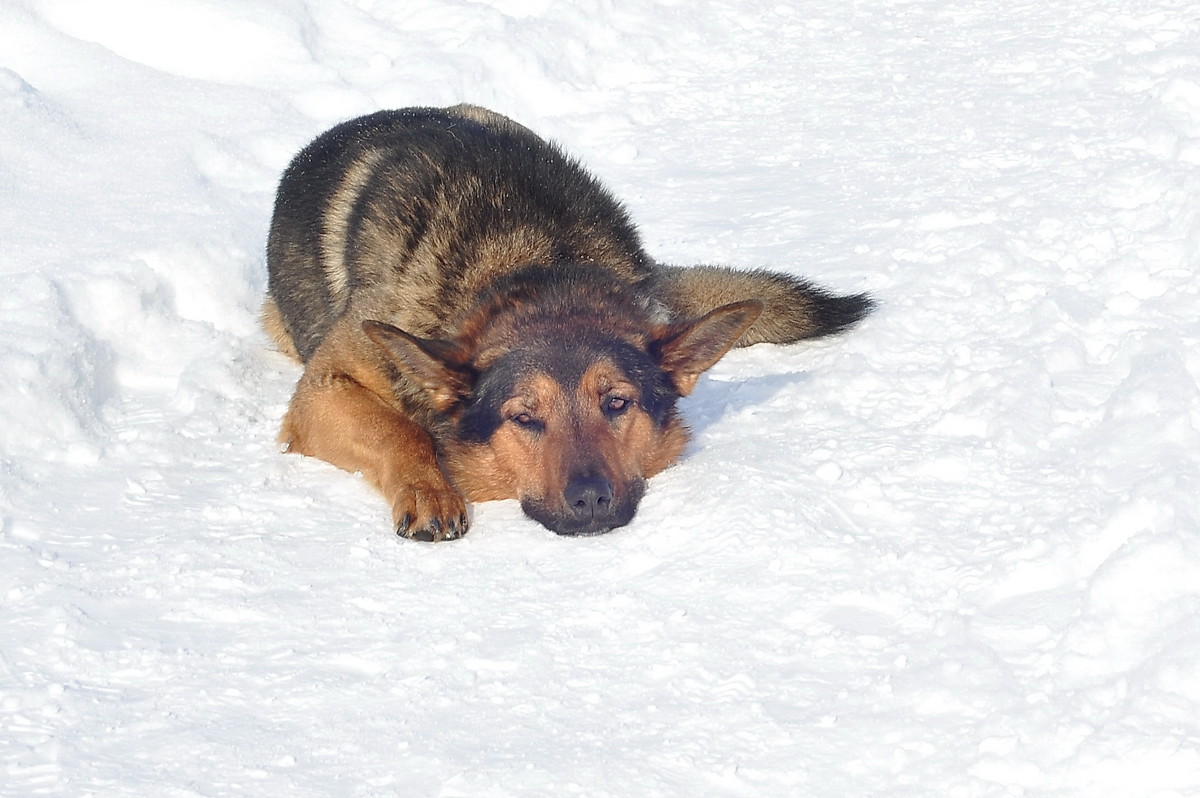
x=951 y=553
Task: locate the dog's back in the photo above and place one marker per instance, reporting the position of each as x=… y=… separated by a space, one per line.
x=407 y=215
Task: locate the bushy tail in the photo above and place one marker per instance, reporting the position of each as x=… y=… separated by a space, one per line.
x=793 y=309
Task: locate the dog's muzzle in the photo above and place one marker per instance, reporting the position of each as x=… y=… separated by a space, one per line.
x=589 y=506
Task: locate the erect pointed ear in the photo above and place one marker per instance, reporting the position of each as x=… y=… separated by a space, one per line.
x=429 y=361
x=686 y=349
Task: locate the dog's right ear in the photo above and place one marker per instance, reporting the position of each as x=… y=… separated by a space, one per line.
x=432 y=362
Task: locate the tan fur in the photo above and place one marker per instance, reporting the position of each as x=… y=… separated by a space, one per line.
x=343 y=412
x=486 y=117
x=339 y=421
x=336 y=231
x=272 y=323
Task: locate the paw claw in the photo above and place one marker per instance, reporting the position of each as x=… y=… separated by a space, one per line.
x=430 y=514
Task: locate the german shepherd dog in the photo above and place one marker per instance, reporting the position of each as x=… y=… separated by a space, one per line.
x=477 y=320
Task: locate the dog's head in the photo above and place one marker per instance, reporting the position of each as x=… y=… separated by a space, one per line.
x=568 y=410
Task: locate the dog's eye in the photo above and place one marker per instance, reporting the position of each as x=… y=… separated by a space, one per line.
x=527 y=421
x=616 y=405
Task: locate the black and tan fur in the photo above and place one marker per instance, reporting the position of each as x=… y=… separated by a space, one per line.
x=477 y=320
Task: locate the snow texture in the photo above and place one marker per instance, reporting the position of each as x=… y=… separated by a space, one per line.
x=952 y=553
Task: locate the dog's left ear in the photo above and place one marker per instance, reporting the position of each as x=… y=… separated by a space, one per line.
x=429 y=361
x=686 y=349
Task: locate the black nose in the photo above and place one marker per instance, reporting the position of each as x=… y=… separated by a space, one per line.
x=589 y=499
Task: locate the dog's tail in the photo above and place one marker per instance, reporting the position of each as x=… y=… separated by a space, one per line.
x=793 y=309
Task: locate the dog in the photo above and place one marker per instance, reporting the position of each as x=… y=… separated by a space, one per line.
x=477 y=320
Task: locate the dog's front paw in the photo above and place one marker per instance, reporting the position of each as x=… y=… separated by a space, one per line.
x=429 y=513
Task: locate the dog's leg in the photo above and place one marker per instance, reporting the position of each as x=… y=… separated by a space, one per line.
x=336 y=419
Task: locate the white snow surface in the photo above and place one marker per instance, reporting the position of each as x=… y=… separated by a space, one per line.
x=954 y=552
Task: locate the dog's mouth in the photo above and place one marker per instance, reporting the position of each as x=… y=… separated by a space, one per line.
x=587 y=510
